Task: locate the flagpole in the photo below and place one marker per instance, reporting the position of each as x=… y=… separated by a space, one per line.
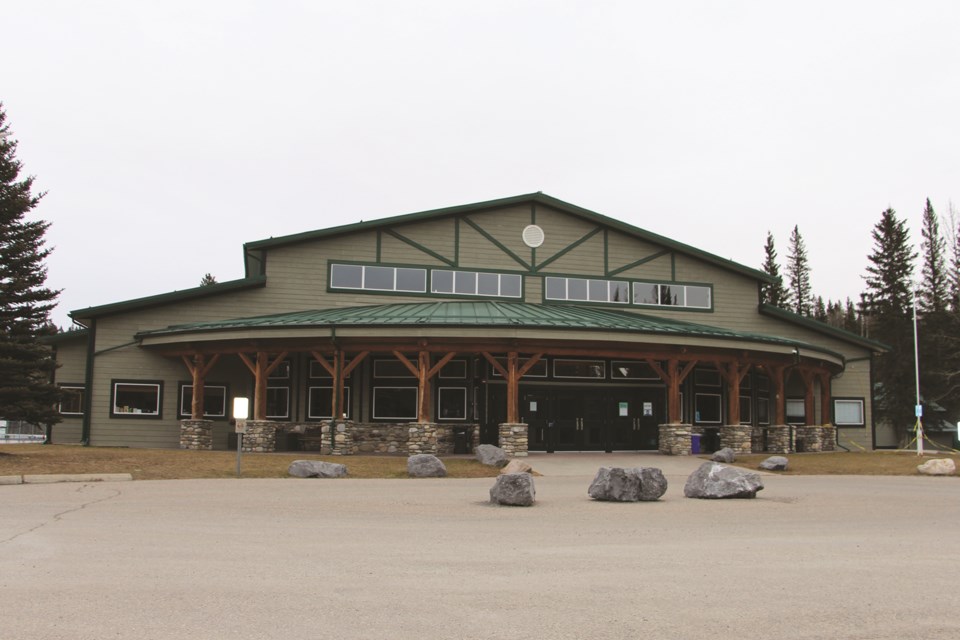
x=916 y=367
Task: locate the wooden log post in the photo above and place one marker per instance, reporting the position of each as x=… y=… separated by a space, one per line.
x=261 y=370
x=809 y=411
x=199 y=368
x=778 y=382
x=513 y=373
x=673 y=378
x=825 y=397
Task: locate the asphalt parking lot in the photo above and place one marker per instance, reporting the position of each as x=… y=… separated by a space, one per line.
x=811 y=557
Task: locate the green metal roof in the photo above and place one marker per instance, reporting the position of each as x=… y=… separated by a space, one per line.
x=529 y=198
x=481 y=314
x=822 y=327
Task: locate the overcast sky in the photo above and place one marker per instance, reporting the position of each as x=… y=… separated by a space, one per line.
x=168 y=133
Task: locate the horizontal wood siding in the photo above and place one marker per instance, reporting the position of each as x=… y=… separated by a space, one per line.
x=855 y=383
x=623 y=250
x=72 y=361
x=585 y=259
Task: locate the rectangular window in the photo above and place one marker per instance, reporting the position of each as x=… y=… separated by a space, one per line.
x=278 y=403
x=317 y=370
x=391 y=369
x=454 y=369
x=763 y=410
x=708 y=408
x=689 y=296
x=136 y=399
x=745 y=405
x=579 y=369
x=395 y=403
x=71 y=399
x=214 y=400
x=282 y=371
x=377 y=278
x=320 y=403
x=848 y=412
x=452 y=403
x=627 y=370
x=475 y=283
x=796 y=414
x=585 y=290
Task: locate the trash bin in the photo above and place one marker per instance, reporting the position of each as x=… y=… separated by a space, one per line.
x=695 y=443
x=460 y=440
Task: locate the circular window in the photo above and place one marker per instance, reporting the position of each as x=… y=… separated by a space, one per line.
x=533 y=236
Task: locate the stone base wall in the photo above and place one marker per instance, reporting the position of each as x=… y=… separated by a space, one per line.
x=342 y=442
x=737 y=437
x=828 y=437
x=421 y=438
x=675 y=439
x=196 y=435
x=780 y=439
x=514 y=439
x=809 y=438
x=407 y=438
x=757 y=437
x=261 y=437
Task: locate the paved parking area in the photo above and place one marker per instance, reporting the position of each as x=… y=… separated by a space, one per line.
x=811 y=557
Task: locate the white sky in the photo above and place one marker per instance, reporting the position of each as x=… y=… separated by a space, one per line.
x=169 y=133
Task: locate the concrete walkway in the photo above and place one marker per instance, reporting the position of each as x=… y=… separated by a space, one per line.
x=811 y=557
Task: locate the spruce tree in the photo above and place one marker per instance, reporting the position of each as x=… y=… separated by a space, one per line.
x=888 y=304
x=933 y=284
x=800 y=298
x=772 y=294
x=26 y=392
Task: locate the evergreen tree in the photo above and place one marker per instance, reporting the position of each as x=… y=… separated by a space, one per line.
x=26 y=392
x=851 y=319
x=207 y=280
x=772 y=294
x=799 y=296
x=933 y=283
x=953 y=277
x=819 y=310
x=888 y=304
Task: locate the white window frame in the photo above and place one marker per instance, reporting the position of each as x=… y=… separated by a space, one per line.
x=611 y=285
x=602 y=363
x=850 y=401
x=696 y=416
x=81 y=390
x=446 y=390
x=457 y=273
x=673 y=285
x=795 y=402
x=115 y=411
x=329 y=392
x=285 y=416
x=416 y=396
x=363 y=278
x=186 y=401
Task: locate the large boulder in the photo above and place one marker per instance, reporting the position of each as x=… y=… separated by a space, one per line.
x=628 y=485
x=775 y=463
x=513 y=489
x=490 y=455
x=425 y=465
x=316 y=469
x=714 y=480
x=938 y=467
x=725 y=455
x=516 y=466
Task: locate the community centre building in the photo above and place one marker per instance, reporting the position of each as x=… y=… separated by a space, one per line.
x=526 y=322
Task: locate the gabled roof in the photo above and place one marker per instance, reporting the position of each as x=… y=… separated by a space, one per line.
x=166 y=298
x=822 y=327
x=529 y=198
x=482 y=314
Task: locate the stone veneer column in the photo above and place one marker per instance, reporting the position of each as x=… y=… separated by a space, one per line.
x=513 y=439
x=812 y=436
x=261 y=436
x=422 y=438
x=780 y=438
x=737 y=437
x=196 y=435
x=343 y=441
x=828 y=437
x=675 y=439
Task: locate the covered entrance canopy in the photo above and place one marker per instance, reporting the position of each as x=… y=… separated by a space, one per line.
x=511 y=337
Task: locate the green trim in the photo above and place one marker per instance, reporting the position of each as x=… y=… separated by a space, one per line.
x=420 y=247
x=637 y=263
x=566 y=250
x=822 y=327
x=64 y=337
x=114 y=348
x=169 y=298
x=538 y=198
x=630 y=282
x=428 y=293
x=497 y=243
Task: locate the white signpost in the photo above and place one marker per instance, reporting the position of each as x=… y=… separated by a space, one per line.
x=241 y=410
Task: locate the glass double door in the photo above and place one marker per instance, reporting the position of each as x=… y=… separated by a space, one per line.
x=593 y=419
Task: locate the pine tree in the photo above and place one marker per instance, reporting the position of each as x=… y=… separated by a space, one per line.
x=207 y=280
x=933 y=284
x=819 y=310
x=772 y=294
x=799 y=296
x=888 y=303
x=953 y=277
x=26 y=392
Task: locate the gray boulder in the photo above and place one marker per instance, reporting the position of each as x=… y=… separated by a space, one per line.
x=316 y=469
x=725 y=455
x=714 y=480
x=774 y=463
x=425 y=465
x=628 y=485
x=491 y=456
x=938 y=467
x=517 y=466
x=513 y=489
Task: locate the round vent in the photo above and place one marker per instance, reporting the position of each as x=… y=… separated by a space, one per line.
x=533 y=236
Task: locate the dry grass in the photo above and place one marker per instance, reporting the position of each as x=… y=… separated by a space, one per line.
x=871 y=463
x=168 y=464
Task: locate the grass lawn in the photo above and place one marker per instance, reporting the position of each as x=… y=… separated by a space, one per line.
x=168 y=464
x=871 y=463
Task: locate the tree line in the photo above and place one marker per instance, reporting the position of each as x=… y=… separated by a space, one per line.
x=885 y=311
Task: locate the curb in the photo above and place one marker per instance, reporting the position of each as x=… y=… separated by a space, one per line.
x=65 y=477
